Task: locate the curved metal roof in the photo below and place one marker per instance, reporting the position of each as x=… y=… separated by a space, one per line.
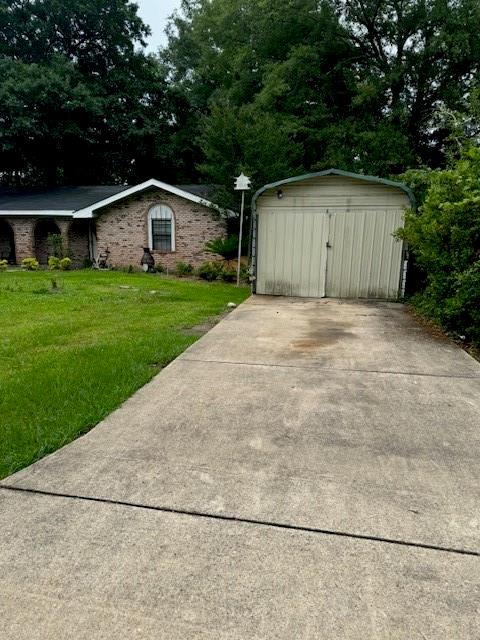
x=336 y=172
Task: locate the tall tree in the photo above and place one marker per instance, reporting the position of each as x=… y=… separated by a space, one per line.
x=79 y=100
x=414 y=57
x=355 y=84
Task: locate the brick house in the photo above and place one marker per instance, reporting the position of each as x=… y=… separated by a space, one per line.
x=175 y=222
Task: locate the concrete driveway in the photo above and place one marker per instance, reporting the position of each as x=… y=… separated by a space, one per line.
x=308 y=469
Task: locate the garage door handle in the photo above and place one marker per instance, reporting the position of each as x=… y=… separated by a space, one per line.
x=329 y=246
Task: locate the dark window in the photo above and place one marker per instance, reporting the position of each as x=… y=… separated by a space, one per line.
x=162 y=234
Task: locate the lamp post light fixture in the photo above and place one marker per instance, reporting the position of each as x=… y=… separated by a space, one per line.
x=242 y=183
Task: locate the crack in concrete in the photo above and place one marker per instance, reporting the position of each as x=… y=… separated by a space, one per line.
x=249 y=521
x=316 y=368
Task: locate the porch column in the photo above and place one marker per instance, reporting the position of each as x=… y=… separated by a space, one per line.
x=23 y=229
x=64 y=226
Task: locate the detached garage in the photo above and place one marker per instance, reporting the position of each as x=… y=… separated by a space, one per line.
x=329 y=234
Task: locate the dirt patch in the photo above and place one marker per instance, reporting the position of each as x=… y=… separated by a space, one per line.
x=438 y=333
x=200 y=329
x=205 y=327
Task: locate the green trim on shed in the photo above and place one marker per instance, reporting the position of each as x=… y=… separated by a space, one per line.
x=335 y=172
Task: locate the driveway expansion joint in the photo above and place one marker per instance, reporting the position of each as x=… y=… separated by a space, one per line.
x=419 y=374
x=248 y=521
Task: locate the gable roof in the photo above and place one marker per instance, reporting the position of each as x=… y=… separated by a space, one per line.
x=337 y=172
x=83 y=201
x=89 y=211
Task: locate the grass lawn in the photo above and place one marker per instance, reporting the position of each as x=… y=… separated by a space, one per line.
x=69 y=356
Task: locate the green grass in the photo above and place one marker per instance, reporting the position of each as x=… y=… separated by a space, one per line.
x=71 y=355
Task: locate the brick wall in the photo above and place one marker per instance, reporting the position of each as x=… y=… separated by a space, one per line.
x=123 y=229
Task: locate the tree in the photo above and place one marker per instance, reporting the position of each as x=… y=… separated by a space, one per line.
x=48 y=117
x=79 y=101
x=354 y=84
x=414 y=57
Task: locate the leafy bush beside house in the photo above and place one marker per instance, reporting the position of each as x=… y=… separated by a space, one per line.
x=184 y=269
x=30 y=264
x=225 y=247
x=210 y=271
x=445 y=237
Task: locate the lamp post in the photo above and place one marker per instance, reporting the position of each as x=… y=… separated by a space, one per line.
x=242 y=183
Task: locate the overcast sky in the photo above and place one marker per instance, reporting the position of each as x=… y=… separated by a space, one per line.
x=155 y=14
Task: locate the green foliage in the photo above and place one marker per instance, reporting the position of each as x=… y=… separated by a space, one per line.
x=210 y=271
x=355 y=85
x=228 y=275
x=53 y=263
x=80 y=101
x=3 y=265
x=445 y=238
x=236 y=139
x=271 y=87
x=56 y=242
x=419 y=181
x=221 y=271
x=30 y=264
x=184 y=269
x=56 y=264
x=225 y=247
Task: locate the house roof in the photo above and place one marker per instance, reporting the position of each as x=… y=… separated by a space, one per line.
x=336 y=172
x=54 y=199
x=83 y=201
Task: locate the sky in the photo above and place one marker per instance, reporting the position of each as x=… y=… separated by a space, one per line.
x=155 y=14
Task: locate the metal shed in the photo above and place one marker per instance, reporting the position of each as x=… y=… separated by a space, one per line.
x=329 y=234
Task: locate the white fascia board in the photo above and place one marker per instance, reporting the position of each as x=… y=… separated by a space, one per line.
x=89 y=212
x=42 y=212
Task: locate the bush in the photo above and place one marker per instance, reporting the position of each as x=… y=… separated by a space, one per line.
x=3 y=265
x=56 y=242
x=159 y=268
x=184 y=269
x=65 y=264
x=228 y=275
x=30 y=264
x=445 y=238
x=53 y=263
x=225 y=247
x=210 y=271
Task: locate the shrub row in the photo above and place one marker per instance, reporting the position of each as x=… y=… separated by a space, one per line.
x=444 y=236
x=55 y=264
x=210 y=271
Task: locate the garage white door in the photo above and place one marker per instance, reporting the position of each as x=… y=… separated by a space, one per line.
x=317 y=253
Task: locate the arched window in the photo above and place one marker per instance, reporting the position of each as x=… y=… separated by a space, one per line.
x=161 y=228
